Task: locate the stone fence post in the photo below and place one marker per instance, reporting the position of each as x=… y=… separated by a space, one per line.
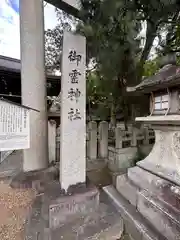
x=103 y=139
x=118 y=138
x=52 y=140
x=92 y=145
x=58 y=144
x=134 y=137
x=146 y=136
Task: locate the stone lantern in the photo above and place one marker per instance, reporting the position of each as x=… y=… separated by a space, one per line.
x=164 y=94
x=152 y=187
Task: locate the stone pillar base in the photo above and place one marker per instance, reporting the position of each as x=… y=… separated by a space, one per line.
x=74 y=215
x=80 y=200
x=164 y=159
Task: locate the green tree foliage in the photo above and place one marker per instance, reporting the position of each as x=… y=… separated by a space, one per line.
x=151 y=67
x=112 y=30
x=169 y=34
x=100 y=94
x=112 y=37
x=54 y=40
x=114 y=44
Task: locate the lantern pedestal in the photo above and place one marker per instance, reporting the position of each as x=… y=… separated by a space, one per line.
x=164 y=159
x=148 y=196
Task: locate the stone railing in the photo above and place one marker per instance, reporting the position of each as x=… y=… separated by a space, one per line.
x=119 y=148
x=129 y=147
x=116 y=147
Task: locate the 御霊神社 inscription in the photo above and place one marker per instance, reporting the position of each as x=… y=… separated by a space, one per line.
x=73 y=104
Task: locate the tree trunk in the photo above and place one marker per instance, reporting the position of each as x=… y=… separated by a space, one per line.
x=150 y=36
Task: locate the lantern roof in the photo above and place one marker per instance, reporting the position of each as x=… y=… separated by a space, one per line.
x=167 y=76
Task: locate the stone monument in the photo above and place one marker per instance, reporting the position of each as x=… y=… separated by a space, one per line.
x=73 y=111
x=153 y=186
x=76 y=197
x=72 y=208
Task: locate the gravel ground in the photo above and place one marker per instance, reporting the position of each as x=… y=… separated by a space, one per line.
x=15 y=205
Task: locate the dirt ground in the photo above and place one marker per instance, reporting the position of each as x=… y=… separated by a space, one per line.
x=14 y=208
x=100 y=177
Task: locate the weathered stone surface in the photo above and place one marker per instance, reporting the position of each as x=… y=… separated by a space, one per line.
x=127 y=237
x=166 y=193
x=52 y=140
x=110 y=233
x=92 y=143
x=159 y=216
x=66 y=208
x=33 y=83
x=126 y=188
x=145 y=180
x=134 y=222
x=34 y=225
x=148 y=237
x=97 y=164
x=73 y=112
x=103 y=224
x=122 y=158
x=159 y=201
x=163 y=160
x=103 y=139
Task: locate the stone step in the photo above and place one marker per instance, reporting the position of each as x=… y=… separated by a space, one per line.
x=127 y=189
x=145 y=180
x=164 y=218
x=104 y=223
x=162 y=197
x=136 y=225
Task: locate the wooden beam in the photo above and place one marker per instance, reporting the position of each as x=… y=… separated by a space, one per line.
x=60 y=4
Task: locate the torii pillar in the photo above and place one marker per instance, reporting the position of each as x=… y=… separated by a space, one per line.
x=33 y=82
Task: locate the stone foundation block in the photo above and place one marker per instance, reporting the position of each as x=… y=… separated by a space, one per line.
x=135 y=224
x=66 y=208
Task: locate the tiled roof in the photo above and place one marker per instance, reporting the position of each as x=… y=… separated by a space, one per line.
x=14 y=65
x=168 y=76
